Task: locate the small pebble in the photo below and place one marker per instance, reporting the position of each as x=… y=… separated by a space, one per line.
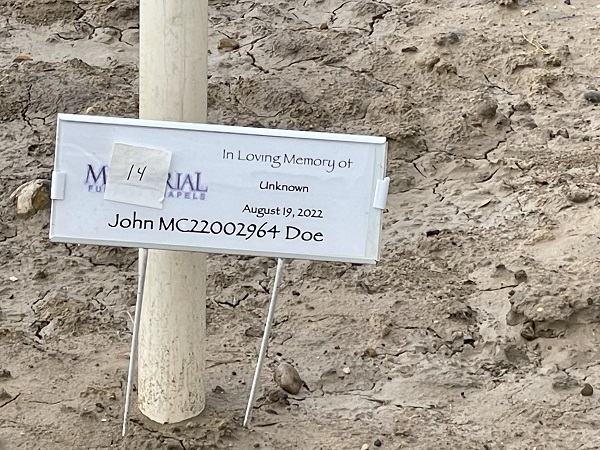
x=287 y=377
x=323 y=26
x=587 y=390
x=346 y=370
x=228 y=45
x=592 y=96
x=578 y=195
x=377 y=443
x=365 y=447
x=520 y=275
x=528 y=331
x=23 y=57
x=411 y=49
x=370 y=352
x=523 y=106
x=445 y=39
x=31 y=197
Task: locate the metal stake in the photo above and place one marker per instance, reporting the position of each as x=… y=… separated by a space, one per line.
x=143 y=260
x=265 y=341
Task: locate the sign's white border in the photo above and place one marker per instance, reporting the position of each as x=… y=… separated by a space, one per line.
x=375 y=217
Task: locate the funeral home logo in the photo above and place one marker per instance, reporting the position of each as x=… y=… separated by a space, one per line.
x=182 y=185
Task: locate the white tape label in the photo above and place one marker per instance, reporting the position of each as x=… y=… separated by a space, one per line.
x=137 y=176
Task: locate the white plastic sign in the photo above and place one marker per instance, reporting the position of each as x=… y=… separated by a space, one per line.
x=249 y=191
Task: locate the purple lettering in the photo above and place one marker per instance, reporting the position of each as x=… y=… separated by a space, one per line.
x=95 y=177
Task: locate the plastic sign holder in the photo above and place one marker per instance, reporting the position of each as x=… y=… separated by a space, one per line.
x=217 y=189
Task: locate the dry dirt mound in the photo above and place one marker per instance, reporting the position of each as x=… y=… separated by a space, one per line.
x=478 y=329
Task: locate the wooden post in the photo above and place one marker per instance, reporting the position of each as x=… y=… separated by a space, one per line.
x=173 y=79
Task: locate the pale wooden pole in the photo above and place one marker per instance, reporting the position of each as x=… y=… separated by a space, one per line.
x=173 y=79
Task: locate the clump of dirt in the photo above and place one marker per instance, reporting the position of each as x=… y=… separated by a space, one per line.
x=41 y=12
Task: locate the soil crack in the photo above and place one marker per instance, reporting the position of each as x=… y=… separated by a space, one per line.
x=498 y=288
x=418 y=170
x=234 y=303
x=493 y=85
x=10 y=401
x=376 y=18
x=489 y=177
x=33 y=305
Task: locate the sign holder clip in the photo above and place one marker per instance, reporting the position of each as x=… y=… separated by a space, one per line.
x=381 y=193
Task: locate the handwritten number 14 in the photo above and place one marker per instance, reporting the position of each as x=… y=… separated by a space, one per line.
x=140 y=172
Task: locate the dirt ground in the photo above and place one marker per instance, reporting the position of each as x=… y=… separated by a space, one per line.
x=478 y=329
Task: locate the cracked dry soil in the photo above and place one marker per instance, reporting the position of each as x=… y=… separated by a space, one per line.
x=479 y=327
